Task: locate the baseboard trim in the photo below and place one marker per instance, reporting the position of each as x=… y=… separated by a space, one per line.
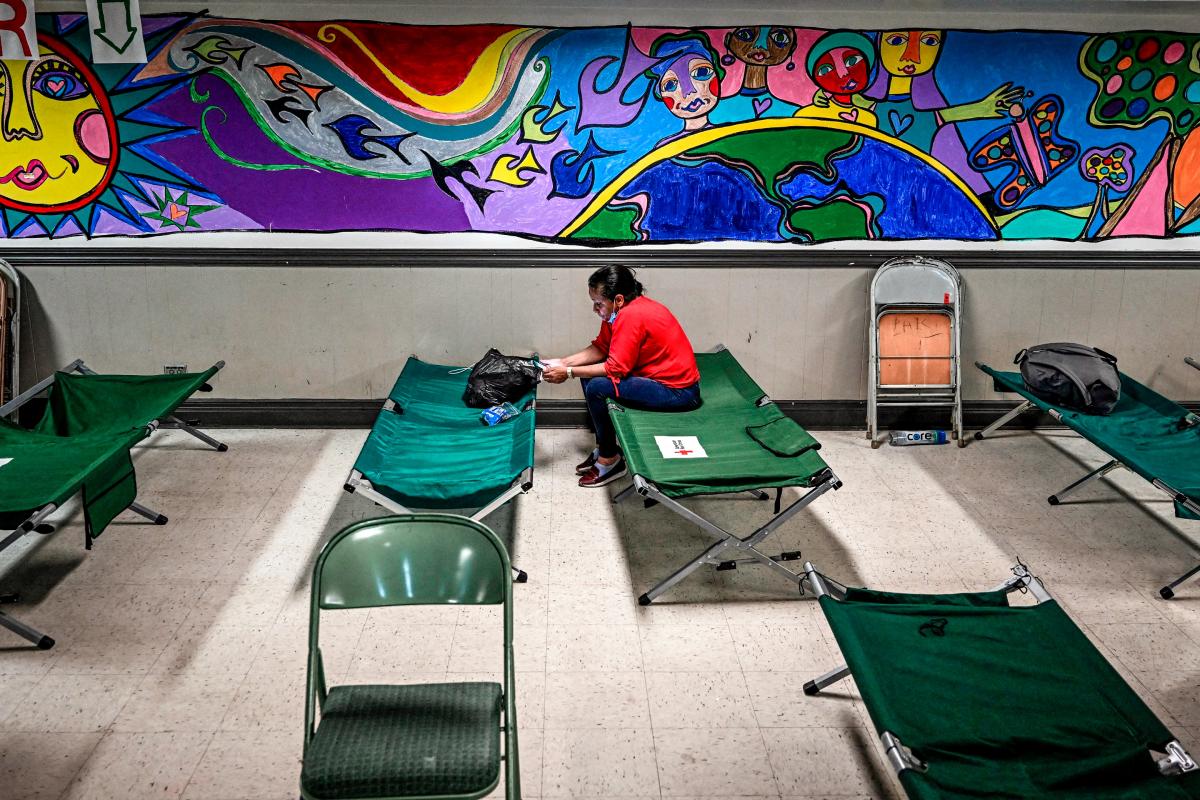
x=812 y=414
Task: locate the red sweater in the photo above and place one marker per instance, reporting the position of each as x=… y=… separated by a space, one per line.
x=646 y=341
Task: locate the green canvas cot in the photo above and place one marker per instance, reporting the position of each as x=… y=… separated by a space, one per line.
x=1146 y=433
x=736 y=441
x=975 y=698
x=81 y=444
x=430 y=450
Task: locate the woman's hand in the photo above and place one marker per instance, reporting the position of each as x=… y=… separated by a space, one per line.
x=554 y=374
x=994 y=105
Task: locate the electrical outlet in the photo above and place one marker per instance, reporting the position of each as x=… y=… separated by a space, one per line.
x=174 y=369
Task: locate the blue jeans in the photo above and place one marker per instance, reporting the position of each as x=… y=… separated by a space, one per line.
x=642 y=393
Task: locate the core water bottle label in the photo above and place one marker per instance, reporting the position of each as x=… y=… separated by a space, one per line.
x=918 y=437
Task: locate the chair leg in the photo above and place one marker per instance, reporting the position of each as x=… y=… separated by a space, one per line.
x=1096 y=474
x=828 y=679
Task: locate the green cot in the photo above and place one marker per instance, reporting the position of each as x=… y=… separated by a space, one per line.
x=745 y=444
x=973 y=697
x=430 y=450
x=81 y=444
x=1146 y=433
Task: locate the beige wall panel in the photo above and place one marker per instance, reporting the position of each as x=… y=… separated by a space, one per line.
x=345 y=333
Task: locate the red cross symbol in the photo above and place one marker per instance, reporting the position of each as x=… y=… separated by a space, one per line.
x=683 y=452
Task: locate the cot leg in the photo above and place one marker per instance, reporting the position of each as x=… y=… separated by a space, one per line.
x=1007 y=418
x=1168 y=591
x=220 y=447
x=758 y=494
x=1096 y=474
x=150 y=514
x=706 y=557
x=42 y=641
x=621 y=495
x=829 y=678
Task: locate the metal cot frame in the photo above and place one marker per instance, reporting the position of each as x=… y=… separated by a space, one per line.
x=37 y=520
x=1175 y=761
x=1166 y=592
x=358 y=484
x=715 y=554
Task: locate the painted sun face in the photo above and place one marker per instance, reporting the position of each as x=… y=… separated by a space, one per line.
x=843 y=70
x=763 y=46
x=690 y=87
x=909 y=53
x=58 y=151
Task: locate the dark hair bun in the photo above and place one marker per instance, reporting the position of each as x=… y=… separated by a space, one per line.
x=615 y=279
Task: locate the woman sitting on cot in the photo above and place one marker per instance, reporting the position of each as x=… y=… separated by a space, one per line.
x=641 y=357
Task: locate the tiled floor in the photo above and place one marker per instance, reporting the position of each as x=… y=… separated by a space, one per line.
x=179 y=669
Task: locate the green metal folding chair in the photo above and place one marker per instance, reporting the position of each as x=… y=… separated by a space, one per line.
x=410 y=741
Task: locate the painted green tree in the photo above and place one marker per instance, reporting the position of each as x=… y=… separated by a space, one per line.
x=1141 y=78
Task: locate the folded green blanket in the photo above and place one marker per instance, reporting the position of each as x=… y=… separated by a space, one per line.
x=783 y=437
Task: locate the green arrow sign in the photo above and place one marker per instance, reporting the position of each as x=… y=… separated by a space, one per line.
x=116 y=27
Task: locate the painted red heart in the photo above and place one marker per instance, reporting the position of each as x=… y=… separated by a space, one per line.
x=176 y=212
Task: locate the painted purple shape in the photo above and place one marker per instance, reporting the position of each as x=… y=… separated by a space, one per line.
x=68 y=21
x=528 y=209
x=152 y=25
x=217 y=219
x=604 y=107
x=1119 y=150
x=305 y=198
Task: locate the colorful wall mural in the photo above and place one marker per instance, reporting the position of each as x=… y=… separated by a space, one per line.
x=603 y=135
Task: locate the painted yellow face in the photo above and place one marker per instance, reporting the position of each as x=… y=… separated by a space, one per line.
x=59 y=134
x=909 y=53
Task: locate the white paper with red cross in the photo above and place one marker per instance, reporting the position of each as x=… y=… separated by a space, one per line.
x=680 y=447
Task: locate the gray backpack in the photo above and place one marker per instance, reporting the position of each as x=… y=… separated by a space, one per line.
x=1072 y=376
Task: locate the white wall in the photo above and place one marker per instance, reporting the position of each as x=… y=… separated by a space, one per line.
x=343 y=332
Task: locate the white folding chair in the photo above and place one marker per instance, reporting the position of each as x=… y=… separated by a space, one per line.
x=915 y=340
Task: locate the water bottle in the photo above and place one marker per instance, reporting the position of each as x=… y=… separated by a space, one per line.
x=497 y=414
x=900 y=438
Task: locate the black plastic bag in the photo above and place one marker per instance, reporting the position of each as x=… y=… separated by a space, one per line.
x=497 y=378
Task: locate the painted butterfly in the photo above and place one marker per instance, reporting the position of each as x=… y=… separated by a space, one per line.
x=1029 y=147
